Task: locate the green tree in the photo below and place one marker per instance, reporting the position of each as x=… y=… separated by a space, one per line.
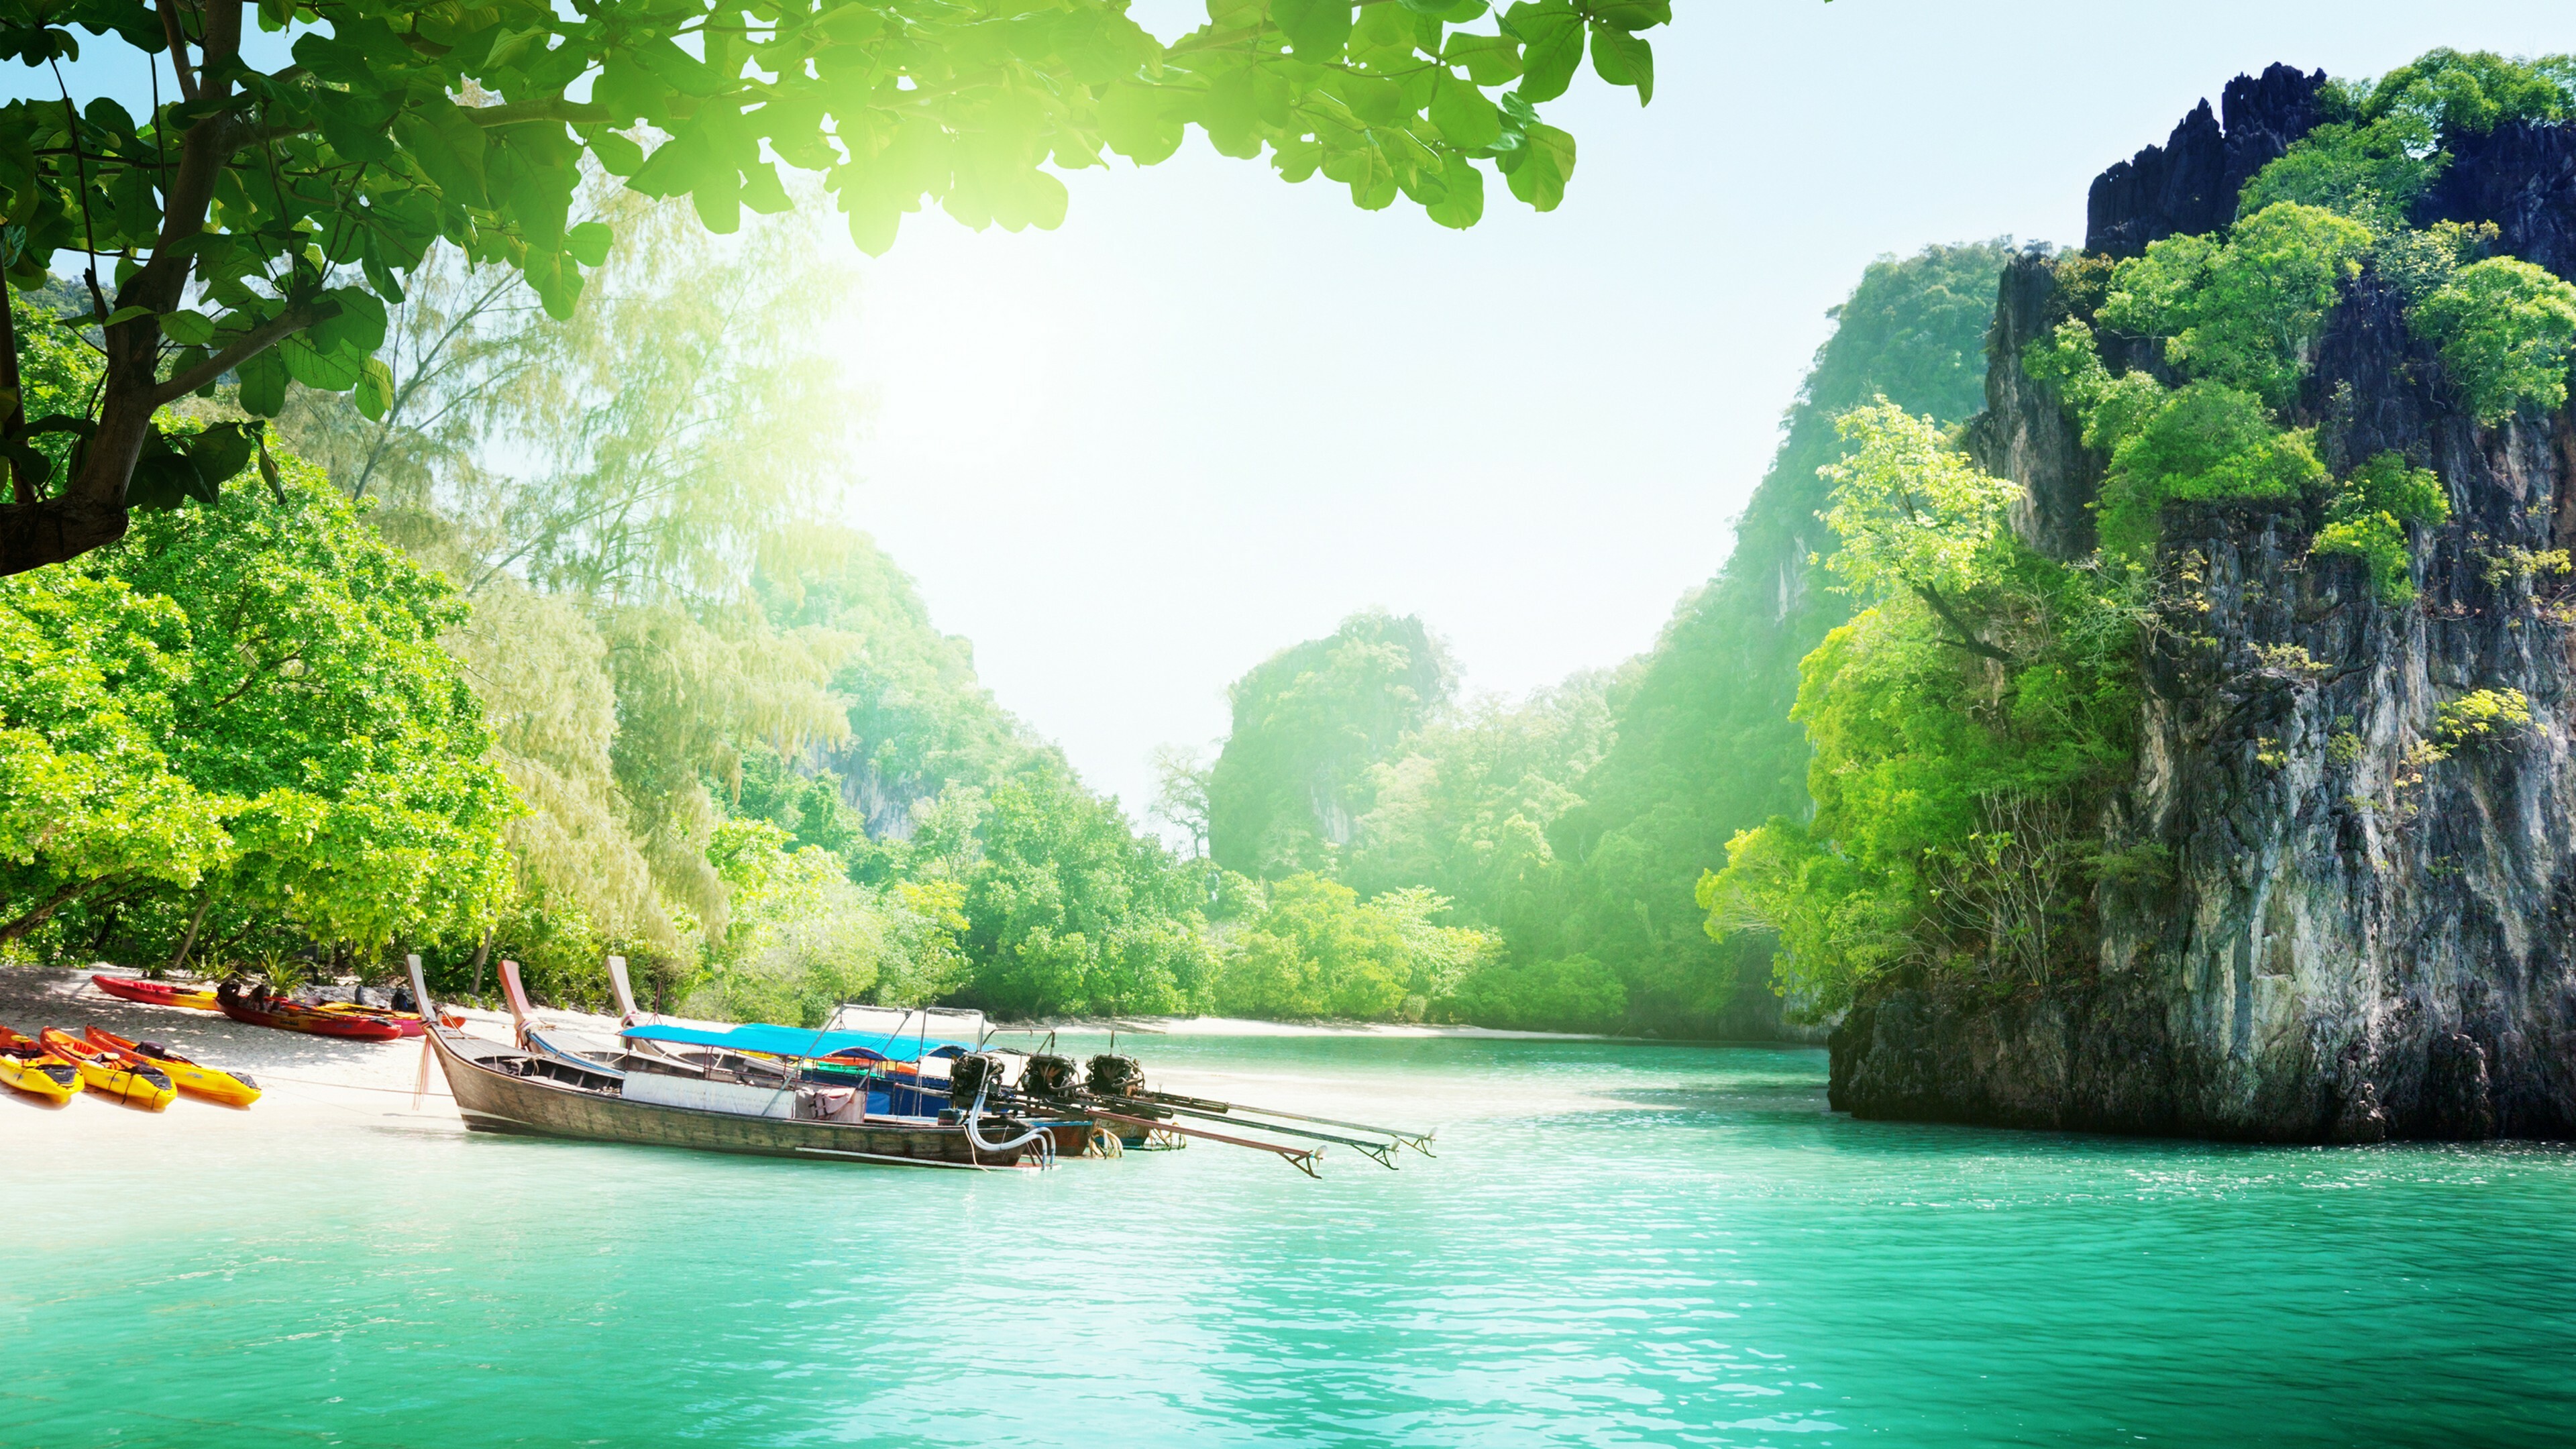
x=1701 y=744
x=2506 y=329
x=259 y=221
x=90 y=801
x=1913 y=515
x=1310 y=725
x=265 y=691
x=1316 y=951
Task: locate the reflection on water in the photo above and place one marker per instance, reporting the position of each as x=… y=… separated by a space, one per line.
x=1617 y=1244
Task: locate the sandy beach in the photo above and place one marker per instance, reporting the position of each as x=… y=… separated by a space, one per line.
x=305 y=1081
x=312 y=1083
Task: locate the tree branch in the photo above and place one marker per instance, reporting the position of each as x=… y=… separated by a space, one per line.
x=1968 y=638
x=544 y=108
x=252 y=343
x=45 y=909
x=172 y=32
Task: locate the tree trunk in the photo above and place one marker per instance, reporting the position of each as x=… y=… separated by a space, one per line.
x=90 y=511
x=482 y=953
x=44 y=911
x=189 y=941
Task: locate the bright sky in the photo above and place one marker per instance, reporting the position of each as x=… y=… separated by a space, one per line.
x=1213 y=413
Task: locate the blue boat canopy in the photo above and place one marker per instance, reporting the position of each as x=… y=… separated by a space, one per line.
x=797 y=1041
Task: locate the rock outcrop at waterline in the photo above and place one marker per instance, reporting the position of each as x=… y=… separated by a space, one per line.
x=2348 y=944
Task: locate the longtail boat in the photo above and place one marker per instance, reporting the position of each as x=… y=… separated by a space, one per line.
x=261 y=1009
x=33 y=1069
x=899 y=1056
x=509 y=1089
x=158 y=993
x=233 y=1089
x=136 y=1084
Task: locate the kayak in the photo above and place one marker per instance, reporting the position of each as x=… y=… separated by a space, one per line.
x=31 y=1068
x=409 y=1022
x=233 y=1089
x=136 y=1084
x=157 y=993
x=288 y=1015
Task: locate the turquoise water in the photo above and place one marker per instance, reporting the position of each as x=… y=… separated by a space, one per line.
x=1617 y=1245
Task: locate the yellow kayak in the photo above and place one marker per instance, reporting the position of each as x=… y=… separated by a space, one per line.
x=133 y=1083
x=233 y=1089
x=29 y=1067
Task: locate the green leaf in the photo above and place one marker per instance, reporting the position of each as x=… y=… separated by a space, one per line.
x=851 y=24
x=1316 y=29
x=618 y=155
x=588 y=243
x=1462 y=202
x=164 y=480
x=189 y=329
x=1546 y=163
x=332 y=371
x=1465 y=117
x=1633 y=14
x=38 y=468
x=375 y=391
x=1623 y=59
x=1551 y=47
x=511 y=45
x=1489 y=60
x=1376 y=101
x=126 y=314
x=1135 y=124
x=263 y=384
x=222 y=451
x=448 y=146
x=268 y=471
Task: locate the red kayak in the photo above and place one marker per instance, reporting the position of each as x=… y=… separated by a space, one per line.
x=158 y=993
x=286 y=1015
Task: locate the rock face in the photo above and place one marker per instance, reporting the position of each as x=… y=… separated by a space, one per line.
x=2343 y=944
x=2023 y=434
x=2189 y=184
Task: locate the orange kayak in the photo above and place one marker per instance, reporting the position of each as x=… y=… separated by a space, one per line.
x=233 y=1089
x=157 y=993
x=136 y=1084
x=31 y=1068
x=288 y=1015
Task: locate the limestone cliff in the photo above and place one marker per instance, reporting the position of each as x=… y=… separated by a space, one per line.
x=2345 y=943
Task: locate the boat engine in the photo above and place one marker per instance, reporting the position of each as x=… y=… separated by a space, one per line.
x=1116 y=1076
x=1050 y=1076
x=977 y=1074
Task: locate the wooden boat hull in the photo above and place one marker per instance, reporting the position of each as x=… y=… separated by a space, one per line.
x=503 y=1089
x=157 y=993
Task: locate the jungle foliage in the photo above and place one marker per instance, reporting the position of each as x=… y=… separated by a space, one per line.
x=235 y=731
